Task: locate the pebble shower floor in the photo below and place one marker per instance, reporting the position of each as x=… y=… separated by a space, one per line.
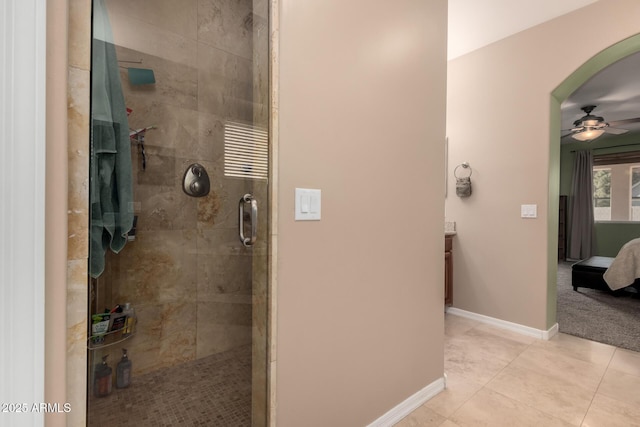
x=212 y=391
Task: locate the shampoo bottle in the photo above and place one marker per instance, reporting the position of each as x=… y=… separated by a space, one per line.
x=102 y=380
x=123 y=371
x=130 y=320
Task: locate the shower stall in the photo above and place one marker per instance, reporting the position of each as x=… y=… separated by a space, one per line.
x=179 y=203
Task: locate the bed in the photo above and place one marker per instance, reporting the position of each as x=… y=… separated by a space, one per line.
x=609 y=274
x=625 y=268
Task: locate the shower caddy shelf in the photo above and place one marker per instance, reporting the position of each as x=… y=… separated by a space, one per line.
x=110 y=338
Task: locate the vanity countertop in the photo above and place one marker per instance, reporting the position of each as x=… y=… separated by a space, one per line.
x=449 y=228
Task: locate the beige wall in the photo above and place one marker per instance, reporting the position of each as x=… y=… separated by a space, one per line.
x=360 y=293
x=498 y=119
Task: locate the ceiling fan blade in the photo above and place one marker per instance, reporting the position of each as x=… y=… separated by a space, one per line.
x=615 y=131
x=616 y=123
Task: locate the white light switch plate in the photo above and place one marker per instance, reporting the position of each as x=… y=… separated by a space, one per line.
x=528 y=211
x=308 y=204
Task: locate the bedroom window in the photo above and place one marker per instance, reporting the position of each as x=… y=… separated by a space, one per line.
x=616 y=187
x=602 y=194
x=635 y=193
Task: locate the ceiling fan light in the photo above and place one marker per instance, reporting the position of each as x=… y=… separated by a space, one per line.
x=587 y=134
x=591 y=122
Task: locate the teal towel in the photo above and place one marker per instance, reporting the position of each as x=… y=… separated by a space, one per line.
x=110 y=164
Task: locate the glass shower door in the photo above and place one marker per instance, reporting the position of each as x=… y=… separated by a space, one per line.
x=192 y=264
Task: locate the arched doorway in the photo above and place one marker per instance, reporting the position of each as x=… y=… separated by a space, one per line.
x=587 y=70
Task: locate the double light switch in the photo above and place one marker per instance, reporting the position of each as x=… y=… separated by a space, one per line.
x=528 y=211
x=308 y=204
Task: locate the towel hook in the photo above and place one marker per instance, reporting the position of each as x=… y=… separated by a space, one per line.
x=463 y=183
x=137 y=136
x=464 y=165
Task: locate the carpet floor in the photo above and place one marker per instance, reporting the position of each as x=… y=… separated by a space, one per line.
x=597 y=315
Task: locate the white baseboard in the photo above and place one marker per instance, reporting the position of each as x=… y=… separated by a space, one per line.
x=515 y=327
x=409 y=405
x=550 y=333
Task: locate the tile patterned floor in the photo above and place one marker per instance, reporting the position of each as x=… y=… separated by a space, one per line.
x=500 y=378
x=213 y=391
x=494 y=378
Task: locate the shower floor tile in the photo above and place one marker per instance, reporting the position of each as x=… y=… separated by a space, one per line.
x=212 y=391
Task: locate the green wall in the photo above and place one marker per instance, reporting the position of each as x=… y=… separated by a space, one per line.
x=609 y=237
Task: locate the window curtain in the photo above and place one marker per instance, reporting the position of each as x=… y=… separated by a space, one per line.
x=581 y=233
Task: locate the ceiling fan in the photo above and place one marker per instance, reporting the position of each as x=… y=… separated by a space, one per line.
x=590 y=127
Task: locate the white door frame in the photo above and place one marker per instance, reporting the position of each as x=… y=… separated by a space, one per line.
x=22 y=211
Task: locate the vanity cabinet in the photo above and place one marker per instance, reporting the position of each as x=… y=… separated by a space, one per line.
x=448 y=270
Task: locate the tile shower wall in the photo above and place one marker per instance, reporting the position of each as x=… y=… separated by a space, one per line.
x=186 y=274
x=78 y=95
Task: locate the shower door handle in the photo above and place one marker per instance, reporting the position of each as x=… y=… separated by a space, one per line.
x=251 y=240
